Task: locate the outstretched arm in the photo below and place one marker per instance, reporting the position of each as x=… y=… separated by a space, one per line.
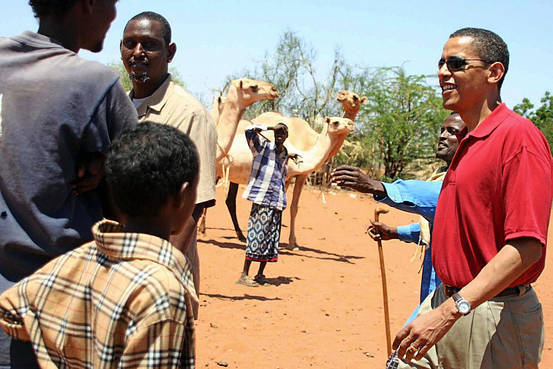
x=418 y=197
x=413 y=196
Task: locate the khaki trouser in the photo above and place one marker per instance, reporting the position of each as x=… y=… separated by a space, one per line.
x=191 y=254
x=505 y=332
x=194 y=259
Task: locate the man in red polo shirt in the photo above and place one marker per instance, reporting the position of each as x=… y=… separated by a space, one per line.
x=490 y=228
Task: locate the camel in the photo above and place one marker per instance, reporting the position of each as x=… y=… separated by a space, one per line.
x=241 y=94
x=302 y=137
x=240 y=160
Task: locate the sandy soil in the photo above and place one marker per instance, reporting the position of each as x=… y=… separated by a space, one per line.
x=324 y=307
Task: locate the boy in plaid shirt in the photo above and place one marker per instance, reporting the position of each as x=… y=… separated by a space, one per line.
x=124 y=299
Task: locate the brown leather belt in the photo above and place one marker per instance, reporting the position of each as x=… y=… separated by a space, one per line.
x=511 y=291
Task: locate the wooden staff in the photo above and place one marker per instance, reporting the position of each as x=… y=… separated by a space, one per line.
x=262 y=135
x=377 y=213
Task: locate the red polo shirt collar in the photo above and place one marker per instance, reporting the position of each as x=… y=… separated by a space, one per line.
x=485 y=128
x=492 y=121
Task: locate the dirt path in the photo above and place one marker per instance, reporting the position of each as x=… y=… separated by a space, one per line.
x=323 y=308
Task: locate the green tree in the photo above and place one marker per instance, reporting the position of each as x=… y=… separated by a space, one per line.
x=525 y=108
x=123 y=76
x=126 y=82
x=399 y=123
x=542 y=116
x=302 y=90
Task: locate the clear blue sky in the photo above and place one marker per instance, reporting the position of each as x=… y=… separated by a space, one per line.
x=216 y=38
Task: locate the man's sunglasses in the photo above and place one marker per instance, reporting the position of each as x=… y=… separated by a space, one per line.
x=456 y=63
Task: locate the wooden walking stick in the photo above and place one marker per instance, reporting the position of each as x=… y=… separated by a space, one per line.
x=377 y=213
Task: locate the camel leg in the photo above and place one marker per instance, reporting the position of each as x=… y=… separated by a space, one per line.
x=201 y=227
x=231 y=206
x=298 y=186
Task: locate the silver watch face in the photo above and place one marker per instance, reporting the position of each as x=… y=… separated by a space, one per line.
x=463 y=306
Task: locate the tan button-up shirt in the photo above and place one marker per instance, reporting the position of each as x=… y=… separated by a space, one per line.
x=171 y=104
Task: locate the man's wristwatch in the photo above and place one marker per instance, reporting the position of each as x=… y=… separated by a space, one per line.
x=463 y=306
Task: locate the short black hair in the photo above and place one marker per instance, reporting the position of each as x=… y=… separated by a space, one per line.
x=489 y=45
x=284 y=125
x=151 y=16
x=146 y=165
x=50 y=7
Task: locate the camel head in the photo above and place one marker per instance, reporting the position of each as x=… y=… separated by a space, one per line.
x=249 y=91
x=339 y=126
x=351 y=102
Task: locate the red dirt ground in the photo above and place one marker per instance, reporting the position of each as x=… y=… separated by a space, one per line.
x=324 y=306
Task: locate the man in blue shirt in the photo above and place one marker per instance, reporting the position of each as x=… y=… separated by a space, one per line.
x=266 y=190
x=419 y=197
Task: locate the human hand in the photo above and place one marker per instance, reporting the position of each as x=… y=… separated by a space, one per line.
x=354 y=178
x=380 y=231
x=295 y=157
x=90 y=171
x=278 y=128
x=416 y=338
x=274 y=128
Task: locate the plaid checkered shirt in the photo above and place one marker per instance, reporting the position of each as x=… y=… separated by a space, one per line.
x=122 y=300
x=266 y=184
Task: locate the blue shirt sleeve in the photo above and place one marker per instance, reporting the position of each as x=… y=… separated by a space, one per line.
x=409 y=233
x=418 y=197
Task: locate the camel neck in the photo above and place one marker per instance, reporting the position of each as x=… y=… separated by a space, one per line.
x=316 y=157
x=232 y=108
x=350 y=115
x=228 y=123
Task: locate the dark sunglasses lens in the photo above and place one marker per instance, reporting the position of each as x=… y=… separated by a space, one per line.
x=441 y=63
x=455 y=63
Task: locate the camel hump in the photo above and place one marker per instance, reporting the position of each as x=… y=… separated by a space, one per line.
x=272 y=118
x=269 y=117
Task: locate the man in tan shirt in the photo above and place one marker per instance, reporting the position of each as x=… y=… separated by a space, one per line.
x=146 y=51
